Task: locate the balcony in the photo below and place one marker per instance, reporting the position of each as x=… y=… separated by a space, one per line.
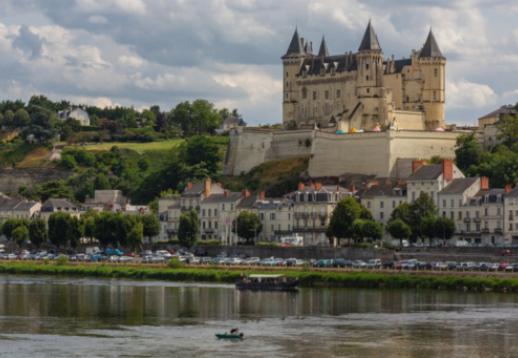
x=498 y=231
x=485 y=231
x=467 y=220
x=477 y=220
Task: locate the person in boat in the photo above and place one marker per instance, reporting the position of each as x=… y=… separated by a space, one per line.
x=234 y=331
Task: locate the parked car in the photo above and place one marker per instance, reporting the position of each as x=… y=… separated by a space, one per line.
x=339 y=262
x=359 y=264
x=373 y=263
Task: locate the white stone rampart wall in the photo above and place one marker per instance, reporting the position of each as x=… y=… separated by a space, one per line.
x=373 y=153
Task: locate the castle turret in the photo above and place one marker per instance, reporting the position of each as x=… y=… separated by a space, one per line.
x=323 y=51
x=292 y=61
x=369 y=78
x=433 y=65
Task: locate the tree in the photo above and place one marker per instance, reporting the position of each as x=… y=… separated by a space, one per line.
x=38 y=232
x=151 y=225
x=508 y=130
x=428 y=227
x=87 y=223
x=64 y=229
x=22 y=118
x=399 y=230
x=201 y=150
x=10 y=225
x=132 y=230
x=444 y=228
x=420 y=209
x=248 y=226
x=341 y=225
x=468 y=152
x=372 y=230
x=20 y=234
x=188 y=228
x=9 y=118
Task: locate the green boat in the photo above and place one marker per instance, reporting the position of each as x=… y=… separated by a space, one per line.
x=229 y=336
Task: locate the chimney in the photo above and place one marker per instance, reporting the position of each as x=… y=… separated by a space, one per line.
x=416 y=164
x=207 y=186
x=507 y=188
x=189 y=185
x=301 y=186
x=447 y=170
x=245 y=193
x=318 y=186
x=262 y=195
x=352 y=188
x=225 y=193
x=484 y=183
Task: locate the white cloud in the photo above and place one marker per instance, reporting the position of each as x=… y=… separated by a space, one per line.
x=465 y=94
x=132 y=61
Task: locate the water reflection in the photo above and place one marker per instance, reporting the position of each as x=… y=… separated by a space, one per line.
x=142 y=316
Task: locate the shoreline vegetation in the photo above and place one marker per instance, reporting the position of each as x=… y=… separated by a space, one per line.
x=308 y=277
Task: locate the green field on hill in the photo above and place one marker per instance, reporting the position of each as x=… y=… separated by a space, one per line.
x=137 y=147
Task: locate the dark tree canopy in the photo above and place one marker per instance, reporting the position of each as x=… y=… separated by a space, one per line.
x=345 y=213
x=248 y=226
x=188 y=228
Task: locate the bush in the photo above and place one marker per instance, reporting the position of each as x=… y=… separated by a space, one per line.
x=61 y=260
x=269 y=244
x=175 y=263
x=387 y=245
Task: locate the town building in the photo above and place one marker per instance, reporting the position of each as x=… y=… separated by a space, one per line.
x=12 y=208
x=363 y=90
x=488 y=125
x=54 y=205
x=382 y=196
x=431 y=179
x=313 y=206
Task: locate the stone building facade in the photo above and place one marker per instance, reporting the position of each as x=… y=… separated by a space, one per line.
x=363 y=90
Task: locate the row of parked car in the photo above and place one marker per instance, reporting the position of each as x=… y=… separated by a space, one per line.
x=164 y=256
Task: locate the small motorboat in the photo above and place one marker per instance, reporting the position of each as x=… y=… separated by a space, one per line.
x=267 y=283
x=234 y=334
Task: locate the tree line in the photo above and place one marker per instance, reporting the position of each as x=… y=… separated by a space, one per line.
x=64 y=230
x=37 y=119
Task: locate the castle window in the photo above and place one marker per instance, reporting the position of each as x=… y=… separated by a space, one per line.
x=435 y=72
x=286 y=95
x=304 y=93
x=287 y=74
x=368 y=90
x=338 y=93
x=314 y=95
x=367 y=78
x=326 y=94
x=435 y=95
x=366 y=66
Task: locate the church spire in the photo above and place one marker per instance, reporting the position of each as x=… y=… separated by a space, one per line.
x=430 y=48
x=323 y=51
x=370 y=40
x=296 y=47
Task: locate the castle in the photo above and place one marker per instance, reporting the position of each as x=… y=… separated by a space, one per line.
x=362 y=90
x=353 y=113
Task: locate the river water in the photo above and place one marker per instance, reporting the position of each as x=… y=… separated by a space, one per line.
x=70 y=317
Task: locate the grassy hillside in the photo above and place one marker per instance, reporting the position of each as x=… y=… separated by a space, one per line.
x=137 y=147
x=276 y=178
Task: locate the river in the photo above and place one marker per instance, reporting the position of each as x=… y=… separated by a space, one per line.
x=78 y=317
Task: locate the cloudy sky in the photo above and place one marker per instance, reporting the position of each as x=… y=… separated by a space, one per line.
x=136 y=52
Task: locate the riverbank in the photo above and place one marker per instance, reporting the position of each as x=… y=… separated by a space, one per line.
x=308 y=278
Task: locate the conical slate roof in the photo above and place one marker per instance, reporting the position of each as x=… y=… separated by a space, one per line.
x=295 y=47
x=370 y=40
x=323 y=50
x=430 y=48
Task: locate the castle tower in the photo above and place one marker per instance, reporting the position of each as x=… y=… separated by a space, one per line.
x=323 y=51
x=291 y=62
x=433 y=65
x=369 y=80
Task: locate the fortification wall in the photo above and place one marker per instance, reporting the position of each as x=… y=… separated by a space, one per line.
x=360 y=153
x=247 y=149
x=374 y=153
x=289 y=144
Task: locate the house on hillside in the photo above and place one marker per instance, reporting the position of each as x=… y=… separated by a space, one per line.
x=76 y=113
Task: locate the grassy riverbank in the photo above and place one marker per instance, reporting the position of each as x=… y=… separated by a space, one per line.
x=389 y=280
